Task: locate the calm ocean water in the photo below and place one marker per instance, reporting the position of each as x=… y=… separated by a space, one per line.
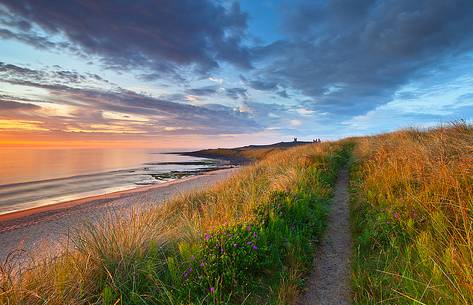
x=30 y=178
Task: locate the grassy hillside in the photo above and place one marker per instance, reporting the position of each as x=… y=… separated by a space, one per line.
x=245 y=154
x=413 y=217
x=248 y=240
x=251 y=239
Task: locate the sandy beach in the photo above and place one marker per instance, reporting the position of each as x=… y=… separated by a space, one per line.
x=48 y=226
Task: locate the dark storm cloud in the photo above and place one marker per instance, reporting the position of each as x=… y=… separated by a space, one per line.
x=151 y=35
x=350 y=56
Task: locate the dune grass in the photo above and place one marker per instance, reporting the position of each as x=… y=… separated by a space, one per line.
x=251 y=239
x=412 y=212
x=248 y=240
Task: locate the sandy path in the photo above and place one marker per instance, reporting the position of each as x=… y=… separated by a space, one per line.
x=330 y=280
x=45 y=230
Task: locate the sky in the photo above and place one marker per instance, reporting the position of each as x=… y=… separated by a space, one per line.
x=192 y=74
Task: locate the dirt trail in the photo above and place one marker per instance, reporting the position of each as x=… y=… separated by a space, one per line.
x=329 y=283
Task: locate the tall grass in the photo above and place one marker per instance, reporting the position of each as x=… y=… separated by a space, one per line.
x=412 y=210
x=248 y=240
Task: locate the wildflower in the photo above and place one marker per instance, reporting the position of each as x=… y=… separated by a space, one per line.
x=254 y=247
x=249 y=243
x=207 y=236
x=235 y=245
x=187 y=272
x=212 y=289
x=396 y=215
x=254 y=234
x=192 y=258
x=202 y=264
x=248 y=228
x=221 y=249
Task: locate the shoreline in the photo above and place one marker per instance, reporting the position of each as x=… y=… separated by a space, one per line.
x=16 y=216
x=45 y=230
x=232 y=160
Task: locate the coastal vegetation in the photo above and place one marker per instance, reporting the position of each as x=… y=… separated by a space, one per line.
x=412 y=212
x=245 y=154
x=249 y=240
x=252 y=238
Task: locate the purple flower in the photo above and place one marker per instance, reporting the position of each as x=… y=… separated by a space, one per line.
x=221 y=249
x=187 y=272
x=202 y=264
x=192 y=258
x=254 y=235
x=396 y=215
x=207 y=236
x=254 y=247
x=249 y=243
x=248 y=228
x=212 y=289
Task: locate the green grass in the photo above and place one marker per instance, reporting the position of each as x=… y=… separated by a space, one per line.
x=250 y=240
x=243 y=263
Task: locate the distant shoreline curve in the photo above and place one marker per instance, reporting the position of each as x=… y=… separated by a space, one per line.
x=64 y=206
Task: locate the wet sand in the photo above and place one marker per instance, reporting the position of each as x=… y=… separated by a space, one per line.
x=48 y=226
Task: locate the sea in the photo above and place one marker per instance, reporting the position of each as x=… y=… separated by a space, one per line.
x=36 y=177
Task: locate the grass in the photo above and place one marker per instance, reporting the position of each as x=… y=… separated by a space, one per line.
x=246 y=154
x=248 y=240
x=251 y=239
x=412 y=213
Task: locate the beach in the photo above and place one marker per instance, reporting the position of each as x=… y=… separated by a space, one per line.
x=45 y=229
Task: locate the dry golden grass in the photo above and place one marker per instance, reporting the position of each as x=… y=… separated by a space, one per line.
x=110 y=249
x=418 y=245
x=412 y=215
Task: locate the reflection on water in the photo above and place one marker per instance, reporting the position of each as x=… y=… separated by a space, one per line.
x=30 y=178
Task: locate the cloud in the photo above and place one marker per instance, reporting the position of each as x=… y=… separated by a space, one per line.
x=259 y=84
x=49 y=78
x=283 y=93
x=236 y=93
x=348 y=57
x=203 y=91
x=154 y=36
x=7 y=105
x=87 y=107
x=335 y=62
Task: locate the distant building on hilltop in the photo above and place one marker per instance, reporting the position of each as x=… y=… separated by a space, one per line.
x=295 y=140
